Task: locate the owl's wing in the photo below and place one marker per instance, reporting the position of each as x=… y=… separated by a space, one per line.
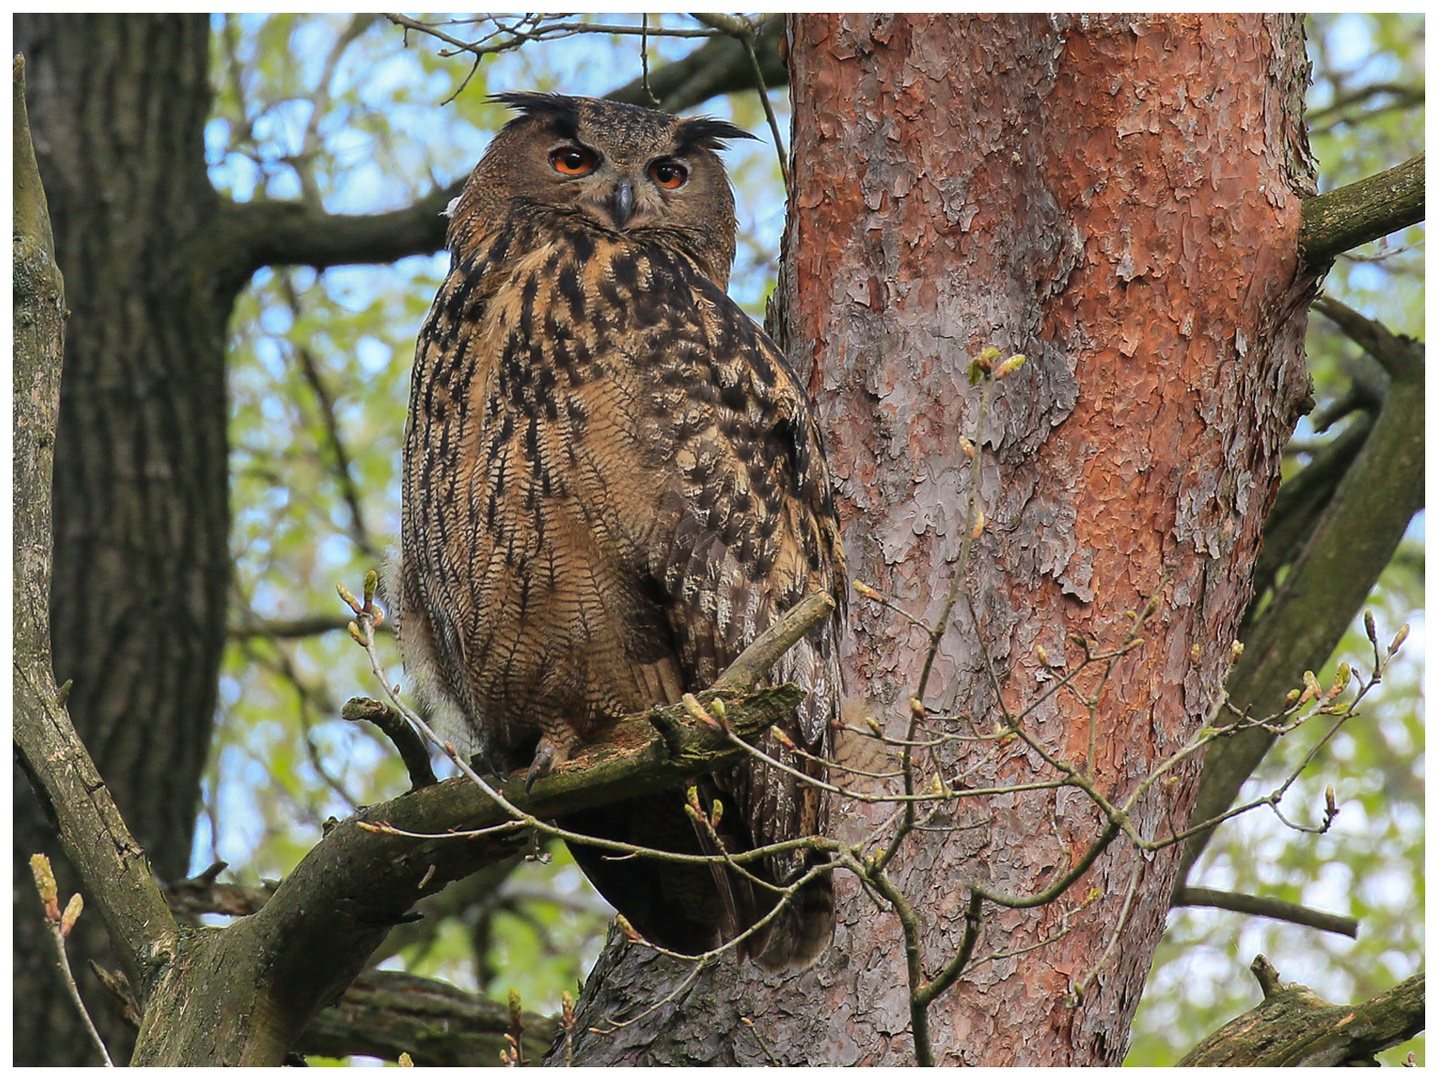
x=693 y=457
x=756 y=532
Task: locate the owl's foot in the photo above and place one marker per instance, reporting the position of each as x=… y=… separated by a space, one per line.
x=549 y=753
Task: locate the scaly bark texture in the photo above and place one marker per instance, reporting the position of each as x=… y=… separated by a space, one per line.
x=141 y=564
x=1118 y=199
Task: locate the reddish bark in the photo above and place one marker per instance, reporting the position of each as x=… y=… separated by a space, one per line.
x=1118 y=199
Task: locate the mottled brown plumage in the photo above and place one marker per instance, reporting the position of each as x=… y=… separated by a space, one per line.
x=612 y=483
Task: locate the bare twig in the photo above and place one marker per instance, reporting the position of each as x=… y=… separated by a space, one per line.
x=1268 y=907
x=514 y=33
x=1079 y=986
x=60 y=924
x=251 y=625
x=644 y=60
x=744 y=31
x=406 y=740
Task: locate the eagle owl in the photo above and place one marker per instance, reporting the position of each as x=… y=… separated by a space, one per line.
x=613 y=482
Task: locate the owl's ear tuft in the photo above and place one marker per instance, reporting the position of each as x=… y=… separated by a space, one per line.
x=558 y=109
x=707 y=131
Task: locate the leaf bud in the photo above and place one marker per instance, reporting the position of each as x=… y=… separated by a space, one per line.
x=1009 y=366
x=46 y=887
x=72 y=913
x=868 y=592
x=1398 y=639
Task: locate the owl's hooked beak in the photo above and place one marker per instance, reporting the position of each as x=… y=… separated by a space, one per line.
x=622 y=205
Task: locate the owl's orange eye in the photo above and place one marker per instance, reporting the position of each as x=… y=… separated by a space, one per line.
x=573 y=160
x=668 y=174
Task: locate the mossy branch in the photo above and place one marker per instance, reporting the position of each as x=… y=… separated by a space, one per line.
x=264 y=978
x=1330 y=575
x=1356 y=213
x=386 y=1013
x=1293 y=1026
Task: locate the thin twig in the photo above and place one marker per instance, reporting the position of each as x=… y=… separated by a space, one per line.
x=744 y=31
x=644 y=60
x=511 y=36
x=1077 y=988
x=60 y=924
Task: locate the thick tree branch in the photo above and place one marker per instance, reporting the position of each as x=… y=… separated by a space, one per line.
x=1328 y=582
x=1268 y=908
x=719 y=66
x=115 y=872
x=258 y=982
x=1293 y=1026
x=386 y=1013
x=297 y=234
x=1357 y=213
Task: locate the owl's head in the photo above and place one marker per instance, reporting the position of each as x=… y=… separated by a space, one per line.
x=625 y=169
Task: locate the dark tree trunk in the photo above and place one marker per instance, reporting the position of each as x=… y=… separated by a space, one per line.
x=1118 y=199
x=118 y=106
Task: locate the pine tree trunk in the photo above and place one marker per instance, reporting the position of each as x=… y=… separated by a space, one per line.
x=1117 y=199
x=118 y=106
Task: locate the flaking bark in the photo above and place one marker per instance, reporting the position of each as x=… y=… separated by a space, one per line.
x=1060 y=188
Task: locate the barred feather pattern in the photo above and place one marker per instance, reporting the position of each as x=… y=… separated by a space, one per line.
x=612 y=483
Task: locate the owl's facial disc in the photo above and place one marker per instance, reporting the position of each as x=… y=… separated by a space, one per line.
x=618 y=194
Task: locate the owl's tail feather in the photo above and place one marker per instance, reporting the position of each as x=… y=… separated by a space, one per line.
x=800 y=931
x=691 y=909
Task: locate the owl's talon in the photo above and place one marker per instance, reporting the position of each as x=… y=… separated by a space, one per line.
x=539 y=767
x=547 y=755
